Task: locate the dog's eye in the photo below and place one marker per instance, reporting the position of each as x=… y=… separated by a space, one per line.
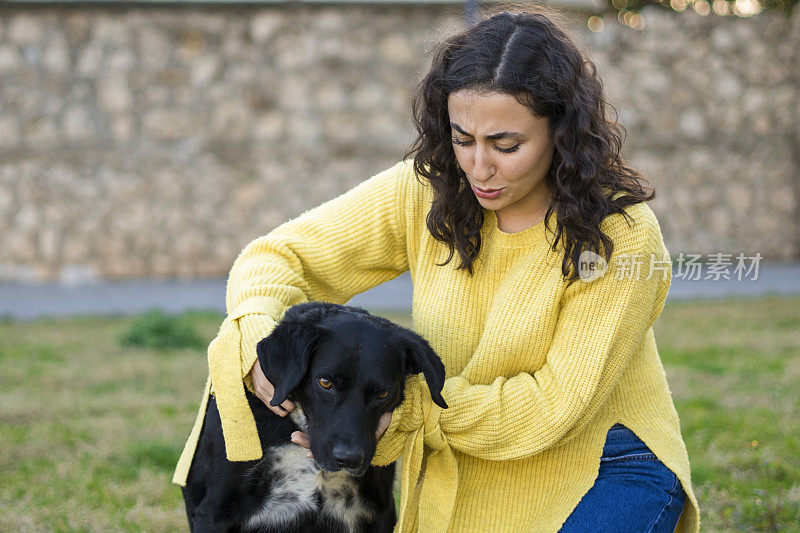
x=382 y=395
x=325 y=383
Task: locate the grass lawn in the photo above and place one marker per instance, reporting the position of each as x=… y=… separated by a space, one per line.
x=90 y=429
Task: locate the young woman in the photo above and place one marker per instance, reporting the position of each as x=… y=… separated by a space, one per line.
x=560 y=417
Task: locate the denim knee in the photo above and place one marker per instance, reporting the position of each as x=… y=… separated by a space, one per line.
x=634 y=491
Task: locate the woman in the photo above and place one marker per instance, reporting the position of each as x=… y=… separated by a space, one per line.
x=553 y=376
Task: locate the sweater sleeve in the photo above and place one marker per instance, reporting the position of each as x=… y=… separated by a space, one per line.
x=330 y=253
x=601 y=325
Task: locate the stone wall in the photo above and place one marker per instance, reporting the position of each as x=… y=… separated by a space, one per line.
x=712 y=109
x=157 y=141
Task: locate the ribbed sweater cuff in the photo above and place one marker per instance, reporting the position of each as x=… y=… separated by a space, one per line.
x=253 y=328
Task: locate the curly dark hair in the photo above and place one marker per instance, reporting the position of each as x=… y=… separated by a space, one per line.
x=525 y=55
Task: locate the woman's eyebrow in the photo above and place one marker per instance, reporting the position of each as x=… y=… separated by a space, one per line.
x=493 y=136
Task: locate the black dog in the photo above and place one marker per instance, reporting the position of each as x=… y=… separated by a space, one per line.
x=343 y=368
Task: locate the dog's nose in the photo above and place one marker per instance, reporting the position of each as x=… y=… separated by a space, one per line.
x=347 y=457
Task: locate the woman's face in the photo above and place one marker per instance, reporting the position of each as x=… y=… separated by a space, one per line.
x=505 y=151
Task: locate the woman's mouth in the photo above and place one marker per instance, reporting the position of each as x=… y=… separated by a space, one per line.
x=486 y=193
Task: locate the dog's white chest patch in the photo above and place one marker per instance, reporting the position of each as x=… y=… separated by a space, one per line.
x=340 y=498
x=298 y=486
x=292 y=491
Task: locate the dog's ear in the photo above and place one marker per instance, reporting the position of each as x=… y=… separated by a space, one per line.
x=284 y=355
x=420 y=357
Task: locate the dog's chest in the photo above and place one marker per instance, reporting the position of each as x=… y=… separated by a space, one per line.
x=299 y=488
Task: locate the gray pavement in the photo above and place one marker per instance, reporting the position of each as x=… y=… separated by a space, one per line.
x=32 y=301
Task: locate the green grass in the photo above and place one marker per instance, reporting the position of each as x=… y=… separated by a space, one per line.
x=158 y=330
x=734 y=371
x=90 y=429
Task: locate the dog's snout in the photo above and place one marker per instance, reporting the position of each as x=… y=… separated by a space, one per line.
x=347 y=456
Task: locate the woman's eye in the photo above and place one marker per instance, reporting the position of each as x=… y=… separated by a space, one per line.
x=382 y=395
x=514 y=148
x=508 y=150
x=325 y=383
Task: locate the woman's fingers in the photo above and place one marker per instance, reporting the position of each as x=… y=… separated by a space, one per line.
x=298 y=437
x=383 y=424
x=265 y=391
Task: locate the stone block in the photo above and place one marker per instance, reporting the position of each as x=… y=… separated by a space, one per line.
x=114 y=94
x=9 y=131
x=10 y=59
x=25 y=29
x=265 y=24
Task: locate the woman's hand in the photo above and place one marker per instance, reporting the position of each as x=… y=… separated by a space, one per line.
x=298 y=437
x=264 y=390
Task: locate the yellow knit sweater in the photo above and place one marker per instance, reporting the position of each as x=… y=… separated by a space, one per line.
x=538 y=369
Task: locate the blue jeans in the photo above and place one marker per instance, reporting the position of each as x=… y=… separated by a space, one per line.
x=633 y=491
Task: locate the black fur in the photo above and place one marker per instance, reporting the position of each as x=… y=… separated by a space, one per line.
x=363 y=357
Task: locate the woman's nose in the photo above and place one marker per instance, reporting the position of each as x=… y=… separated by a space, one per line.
x=482 y=169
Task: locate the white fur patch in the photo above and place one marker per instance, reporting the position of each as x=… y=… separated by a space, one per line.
x=298 y=481
x=292 y=493
x=299 y=417
x=340 y=498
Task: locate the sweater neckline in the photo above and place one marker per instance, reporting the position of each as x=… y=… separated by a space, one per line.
x=528 y=237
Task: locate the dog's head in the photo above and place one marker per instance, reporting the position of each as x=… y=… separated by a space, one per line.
x=345 y=368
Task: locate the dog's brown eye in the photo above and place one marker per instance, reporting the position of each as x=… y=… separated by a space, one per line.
x=325 y=383
x=382 y=395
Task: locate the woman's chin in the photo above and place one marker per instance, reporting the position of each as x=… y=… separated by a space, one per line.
x=492 y=204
